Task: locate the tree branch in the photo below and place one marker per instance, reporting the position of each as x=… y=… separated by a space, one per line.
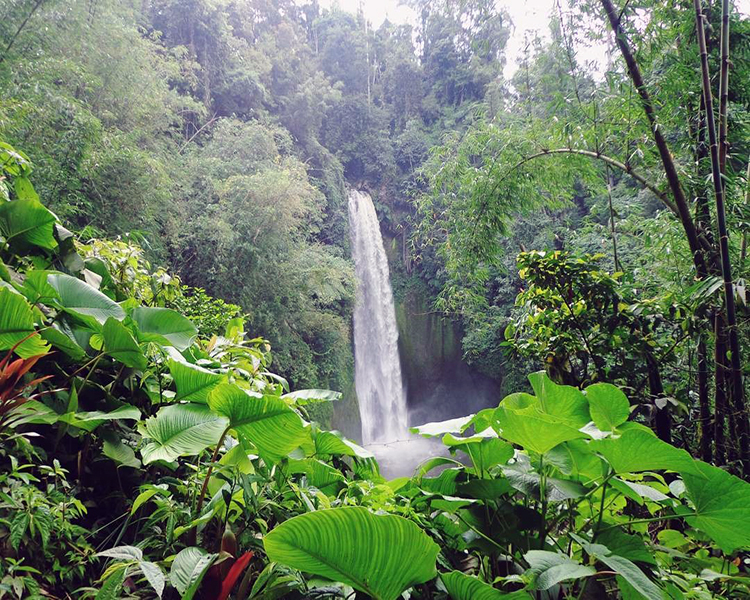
x=670 y=169
x=663 y=196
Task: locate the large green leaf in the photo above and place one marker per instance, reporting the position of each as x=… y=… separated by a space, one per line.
x=485 y=452
x=303 y=397
x=85 y=302
x=88 y=421
x=26 y=222
x=188 y=570
x=120 y=345
x=16 y=323
x=465 y=587
x=266 y=421
x=722 y=506
x=551 y=568
x=533 y=430
x=608 y=405
x=180 y=430
x=333 y=443
x=164 y=326
x=440 y=428
x=193 y=383
x=564 y=402
x=319 y=474
x=624 y=567
x=381 y=555
x=637 y=450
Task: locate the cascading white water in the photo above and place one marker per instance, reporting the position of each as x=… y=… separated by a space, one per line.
x=380 y=388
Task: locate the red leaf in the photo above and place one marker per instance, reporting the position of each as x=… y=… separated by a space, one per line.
x=234 y=574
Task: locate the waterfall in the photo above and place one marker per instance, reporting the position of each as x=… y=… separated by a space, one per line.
x=380 y=389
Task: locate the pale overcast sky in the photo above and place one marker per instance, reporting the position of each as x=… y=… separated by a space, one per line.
x=527 y=16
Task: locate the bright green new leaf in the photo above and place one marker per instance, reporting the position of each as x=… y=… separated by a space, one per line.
x=303 y=397
x=120 y=345
x=16 y=323
x=722 y=506
x=320 y=475
x=440 y=428
x=193 y=383
x=534 y=430
x=636 y=451
x=180 y=430
x=465 y=587
x=164 y=326
x=550 y=568
x=564 y=402
x=88 y=421
x=485 y=452
x=83 y=301
x=26 y=222
x=114 y=448
x=333 y=443
x=188 y=570
x=609 y=407
x=381 y=555
x=266 y=421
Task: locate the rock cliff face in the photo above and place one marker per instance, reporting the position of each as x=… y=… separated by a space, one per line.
x=439 y=384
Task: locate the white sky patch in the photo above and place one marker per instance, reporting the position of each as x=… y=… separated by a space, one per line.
x=528 y=16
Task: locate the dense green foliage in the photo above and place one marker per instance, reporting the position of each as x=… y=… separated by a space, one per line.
x=199 y=151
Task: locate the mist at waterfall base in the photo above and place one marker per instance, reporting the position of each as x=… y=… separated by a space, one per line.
x=379 y=383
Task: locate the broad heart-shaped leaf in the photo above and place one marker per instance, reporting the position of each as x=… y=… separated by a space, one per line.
x=320 y=475
x=550 y=568
x=188 y=570
x=722 y=506
x=465 y=587
x=440 y=428
x=25 y=223
x=88 y=421
x=266 y=421
x=180 y=430
x=609 y=407
x=16 y=323
x=114 y=448
x=485 y=452
x=303 y=397
x=67 y=337
x=533 y=430
x=381 y=555
x=637 y=450
x=123 y=553
x=83 y=301
x=164 y=326
x=564 y=402
x=120 y=345
x=333 y=443
x=624 y=567
x=193 y=383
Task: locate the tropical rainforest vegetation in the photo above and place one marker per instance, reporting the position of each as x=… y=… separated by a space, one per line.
x=176 y=295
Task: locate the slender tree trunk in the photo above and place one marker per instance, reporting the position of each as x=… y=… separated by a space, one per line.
x=735 y=376
x=720 y=397
x=663 y=420
x=670 y=169
x=706 y=434
x=21 y=28
x=724 y=87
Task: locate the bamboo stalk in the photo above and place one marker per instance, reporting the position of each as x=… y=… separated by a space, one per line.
x=735 y=375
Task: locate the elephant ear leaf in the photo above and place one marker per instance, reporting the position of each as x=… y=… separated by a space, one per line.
x=188 y=570
x=380 y=555
x=465 y=587
x=722 y=506
x=267 y=422
x=180 y=430
x=17 y=326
